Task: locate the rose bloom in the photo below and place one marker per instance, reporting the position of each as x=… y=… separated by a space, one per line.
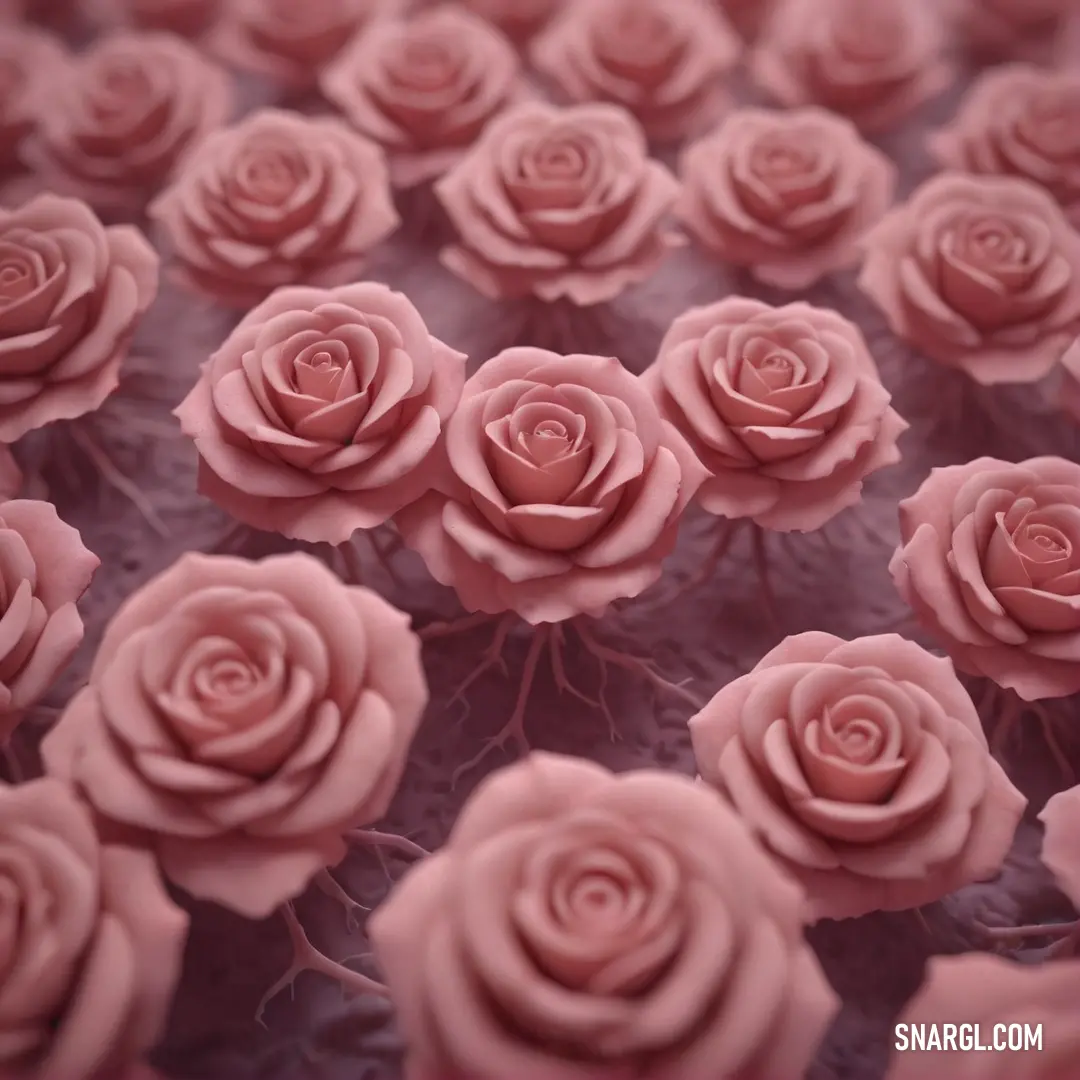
x=665 y=61
x=989 y=560
x=291 y=40
x=424 y=87
x=243 y=716
x=518 y=19
x=862 y=766
x=321 y=412
x=30 y=63
x=872 y=62
x=188 y=18
x=125 y=113
x=44 y=570
x=981 y=273
x=783 y=406
x=1001 y=27
x=92 y=944
x=558 y=203
x=71 y=294
x=277 y=199
x=579 y=923
x=1019 y=120
x=1060 y=848
x=994 y=993
x=786 y=193
x=566 y=489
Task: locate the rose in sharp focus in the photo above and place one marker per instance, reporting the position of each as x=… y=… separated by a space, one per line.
x=583 y=924
x=784 y=407
x=424 y=86
x=862 y=766
x=125 y=114
x=872 y=62
x=91 y=946
x=30 y=62
x=665 y=61
x=558 y=203
x=990 y=561
x=978 y=272
x=786 y=193
x=518 y=19
x=241 y=716
x=277 y=199
x=71 y=294
x=320 y=413
x=566 y=488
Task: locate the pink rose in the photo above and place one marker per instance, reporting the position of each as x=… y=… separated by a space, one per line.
x=1002 y=997
x=30 y=62
x=424 y=87
x=989 y=560
x=44 y=570
x=863 y=768
x=1004 y=27
x=243 y=716
x=71 y=294
x=188 y=18
x=92 y=944
x=291 y=40
x=665 y=61
x=582 y=924
x=277 y=199
x=1019 y=120
x=788 y=194
x=125 y=113
x=517 y=19
x=558 y=203
x=872 y=62
x=566 y=489
x=981 y=273
x=783 y=406
x=1061 y=841
x=321 y=412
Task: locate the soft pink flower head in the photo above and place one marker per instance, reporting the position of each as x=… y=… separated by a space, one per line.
x=1005 y=28
x=981 y=273
x=320 y=413
x=92 y=945
x=31 y=61
x=517 y=19
x=558 y=203
x=993 y=993
x=665 y=61
x=874 y=62
x=188 y=18
x=990 y=560
x=579 y=923
x=71 y=294
x=784 y=407
x=565 y=488
x=124 y=114
x=1019 y=120
x=862 y=766
x=1069 y=384
x=786 y=193
x=277 y=199
x=424 y=86
x=44 y=570
x=1061 y=841
x=242 y=716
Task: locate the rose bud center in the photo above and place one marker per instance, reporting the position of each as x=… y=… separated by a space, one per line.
x=17 y=276
x=424 y=63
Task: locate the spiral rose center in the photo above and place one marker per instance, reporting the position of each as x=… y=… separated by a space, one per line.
x=641 y=37
x=17 y=278
x=270 y=173
x=779 y=157
x=1043 y=543
x=559 y=159
x=424 y=63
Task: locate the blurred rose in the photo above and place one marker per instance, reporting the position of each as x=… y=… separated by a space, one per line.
x=566 y=489
x=277 y=199
x=787 y=194
x=665 y=61
x=188 y=18
x=71 y=293
x=978 y=272
x=92 y=945
x=579 y=923
x=783 y=406
x=863 y=767
x=1061 y=841
x=518 y=19
x=1001 y=28
x=424 y=87
x=1019 y=120
x=872 y=62
x=1069 y=386
x=990 y=562
x=320 y=413
x=558 y=203
x=126 y=111
x=244 y=715
x=44 y=570
x=31 y=61
x=747 y=16
x=995 y=993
